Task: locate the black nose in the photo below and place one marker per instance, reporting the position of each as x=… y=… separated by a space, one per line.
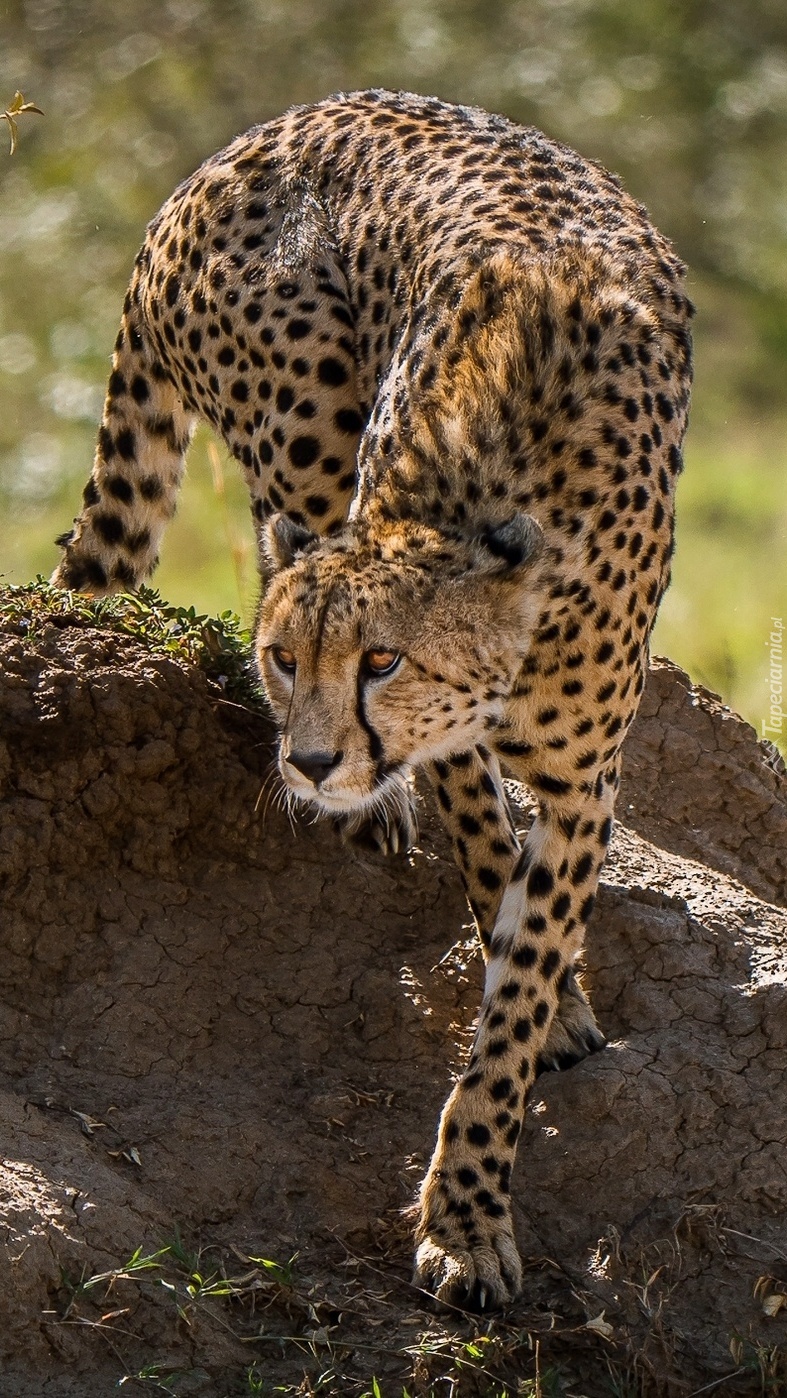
x=315 y=765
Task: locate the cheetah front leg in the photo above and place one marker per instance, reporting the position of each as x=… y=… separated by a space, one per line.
x=475 y=812
x=466 y=1253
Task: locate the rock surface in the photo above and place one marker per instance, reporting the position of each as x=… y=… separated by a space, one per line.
x=222 y=1040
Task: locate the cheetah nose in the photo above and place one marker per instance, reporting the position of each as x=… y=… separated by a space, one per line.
x=315 y=765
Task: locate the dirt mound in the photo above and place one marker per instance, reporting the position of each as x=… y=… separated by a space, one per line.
x=225 y=1043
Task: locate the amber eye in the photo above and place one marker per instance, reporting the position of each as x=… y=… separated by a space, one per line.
x=381 y=662
x=284 y=659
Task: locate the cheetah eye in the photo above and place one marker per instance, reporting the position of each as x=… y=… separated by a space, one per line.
x=381 y=662
x=284 y=659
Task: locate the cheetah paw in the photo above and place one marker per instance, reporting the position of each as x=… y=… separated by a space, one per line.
x=482 y=1278
x=573 y=1033
x=392 y=830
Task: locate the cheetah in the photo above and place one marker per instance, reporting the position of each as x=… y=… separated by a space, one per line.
x=453 y=360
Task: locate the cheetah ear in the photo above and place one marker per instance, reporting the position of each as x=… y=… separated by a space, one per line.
x=509 y=547
x=283 y=540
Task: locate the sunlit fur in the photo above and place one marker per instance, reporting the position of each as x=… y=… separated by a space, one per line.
x=453 y=360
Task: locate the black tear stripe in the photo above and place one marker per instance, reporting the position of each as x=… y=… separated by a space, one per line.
x=376 y=749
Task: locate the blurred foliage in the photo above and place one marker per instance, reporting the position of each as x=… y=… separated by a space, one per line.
x=687 y=99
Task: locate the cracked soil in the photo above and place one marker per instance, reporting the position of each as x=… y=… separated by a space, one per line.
x=219 y=1030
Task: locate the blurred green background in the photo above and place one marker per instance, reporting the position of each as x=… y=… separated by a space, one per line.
x=686 y=99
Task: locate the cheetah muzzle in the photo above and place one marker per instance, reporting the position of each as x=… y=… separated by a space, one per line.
x=453 y=360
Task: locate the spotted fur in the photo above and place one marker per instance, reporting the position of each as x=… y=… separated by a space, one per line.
x=453 y=360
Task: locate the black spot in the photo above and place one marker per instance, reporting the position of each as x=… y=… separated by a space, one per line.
x=139 y=389
x=109 y=527
x=582 y=869
x=588 y=759
x=550 y=964
x=489 y=1205
x=349 y=421
x=512 y=749
x=317 y=505
x=478 y=1134
x=541 y=1014
x=150 y=488
x=303 y=451
x=467 y=1177
x=90 y=493
x=120 y=488
x=331 y=372
x=501 y=1089
x=587 y=907
x=525 y=956
x=126 y=444
x=489 y=878
x=106 y=444
x=553 y=785
x=540 y=881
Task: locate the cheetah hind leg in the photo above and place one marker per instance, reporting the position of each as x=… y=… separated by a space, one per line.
x=391 y=829
x=573 y=1033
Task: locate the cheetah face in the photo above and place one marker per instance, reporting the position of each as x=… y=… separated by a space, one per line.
x=378 y=655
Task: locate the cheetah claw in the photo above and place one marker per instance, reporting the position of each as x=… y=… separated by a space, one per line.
x=392 y=831
x=478 y=1279
x=376 y=836
x=573 y=1034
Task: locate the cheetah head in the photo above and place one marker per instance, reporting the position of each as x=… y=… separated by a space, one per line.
x=378 y=653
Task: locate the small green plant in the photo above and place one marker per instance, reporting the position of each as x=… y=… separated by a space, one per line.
x=153 y=1376
x=183 y=1275
x=767 y=1362
x=373 y=1392
x=220 y=646
x=18 y=108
